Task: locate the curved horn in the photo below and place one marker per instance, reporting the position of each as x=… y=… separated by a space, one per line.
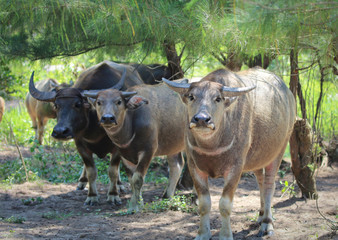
x=176 y=84
x=233 y=92
x=91 y=93
x=37 y=94
x=128 y=94
x=120 y=84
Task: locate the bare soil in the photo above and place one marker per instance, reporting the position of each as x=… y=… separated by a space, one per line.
x=62 y=215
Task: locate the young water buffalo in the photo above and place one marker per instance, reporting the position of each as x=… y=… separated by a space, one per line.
x=233 y=130
x=77 y=120
x=40 y=112
x=142 y=126
x=2 y=107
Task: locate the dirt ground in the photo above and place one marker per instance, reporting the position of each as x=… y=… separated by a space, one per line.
x=61 y=214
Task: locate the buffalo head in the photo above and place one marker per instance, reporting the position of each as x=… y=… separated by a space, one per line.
x=206 y=102
x=71 y=108
x=111 y=106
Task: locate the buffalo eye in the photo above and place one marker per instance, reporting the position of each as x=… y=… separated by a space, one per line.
x=119 y=102
x=218 y=99
x=191 y=97
x=98 y=103
x=78 y=105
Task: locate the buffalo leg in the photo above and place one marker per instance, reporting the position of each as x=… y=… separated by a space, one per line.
x=138 y=178
x=260 y=181
x=114 y=175
x=201 y=186
x=176 y=163
x=231 y=179
x=40 y=129
x=83 y=179
x=268 y=191
x=87 y=157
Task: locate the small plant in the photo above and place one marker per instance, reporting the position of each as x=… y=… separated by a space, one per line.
x=176 y=203
x=56 y=215
x=281 y=173
x=253 y=218
x=15 y=219
x=32 y=201
x=288 y=188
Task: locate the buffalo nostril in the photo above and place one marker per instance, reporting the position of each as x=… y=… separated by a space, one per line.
x=65 y=131
x=61 y=132
x=108 y=118
x=202 y=118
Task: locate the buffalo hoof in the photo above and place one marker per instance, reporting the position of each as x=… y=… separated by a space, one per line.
x=263 y=233
x=205 y=236
x=114 y=200
x=260 y=234
x=92 y=201
x=122 y=189
x=81 y=186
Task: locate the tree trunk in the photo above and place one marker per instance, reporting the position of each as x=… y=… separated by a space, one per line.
x=259 y=60
x=301 y=141
x=232 y=61
x=303 y=160
x=174 y=61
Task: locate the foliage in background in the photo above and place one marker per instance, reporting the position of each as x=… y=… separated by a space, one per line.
x=9 y=82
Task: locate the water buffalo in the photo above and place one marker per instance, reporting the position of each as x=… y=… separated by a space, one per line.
x=238 y=122
x=142 y=126
x=152 y=73
x=40 y=112
x=77 y=120
x=2 y=107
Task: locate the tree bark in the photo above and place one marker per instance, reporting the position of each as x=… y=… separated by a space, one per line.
x=302 y=158
x=259 y=60
x=174 y=60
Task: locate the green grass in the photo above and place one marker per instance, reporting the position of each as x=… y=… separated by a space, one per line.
x=56 y=215
x=14 y=219
x=180 y=203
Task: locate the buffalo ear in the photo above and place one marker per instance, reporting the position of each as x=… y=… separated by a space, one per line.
x=135 y=102
x=229 y=100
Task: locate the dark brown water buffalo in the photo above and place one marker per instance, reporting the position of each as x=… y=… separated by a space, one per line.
x=142 y=126
x=237 y=122
x=40 y=112
x=2 y=107
x=152 y=73
x=77 y=120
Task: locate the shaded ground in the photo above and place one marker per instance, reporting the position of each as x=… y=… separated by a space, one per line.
x=61 y=214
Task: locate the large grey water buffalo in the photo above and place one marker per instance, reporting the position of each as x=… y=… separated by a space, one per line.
x=2 y=107
x=238 y=122
x=77 y=120
x=142 y=126
x=152 y=73
x=40 y=112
